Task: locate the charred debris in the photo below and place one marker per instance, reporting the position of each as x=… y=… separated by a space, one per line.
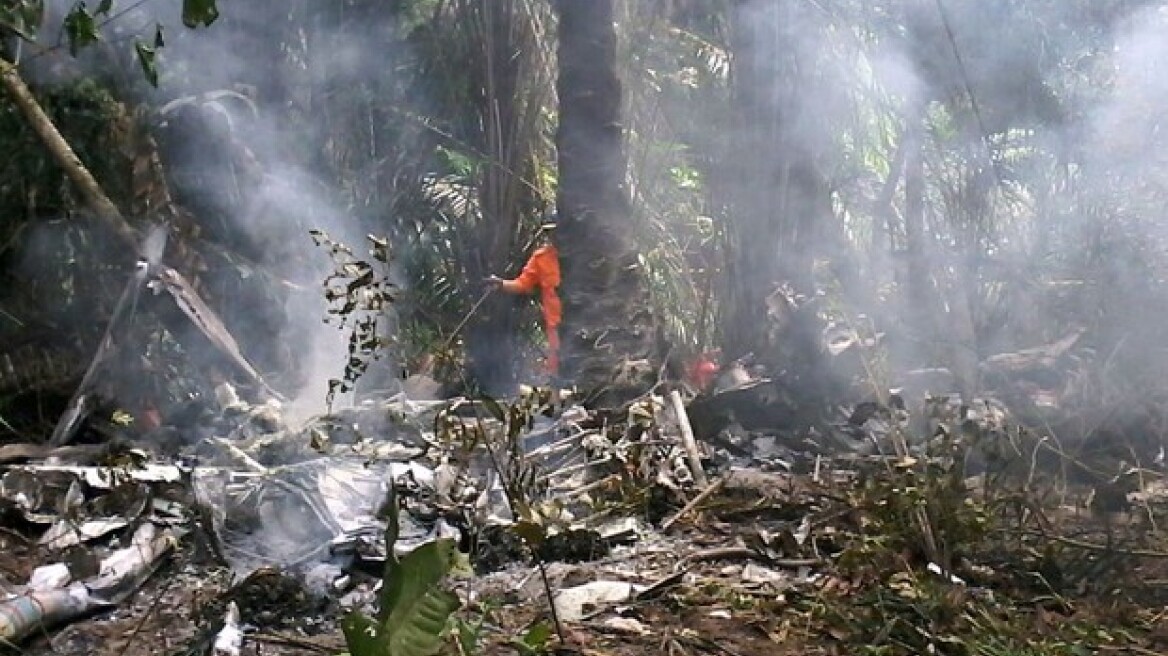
x=909 y=516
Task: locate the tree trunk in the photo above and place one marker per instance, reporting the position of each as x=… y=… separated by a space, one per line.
x=607 y=333
x=919 y=290
x=510 y=95
x=777 y=198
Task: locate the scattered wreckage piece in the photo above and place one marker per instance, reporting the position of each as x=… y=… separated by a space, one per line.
x=687 y=439
x=1038 y=361
x=81 y=403
x=158 y=278
x=299 y=515
x=208 y=322
x=118 y=576
x=229 y=640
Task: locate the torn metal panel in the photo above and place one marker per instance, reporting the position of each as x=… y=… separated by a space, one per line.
x=209 y=323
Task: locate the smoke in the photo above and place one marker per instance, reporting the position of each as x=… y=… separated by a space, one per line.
x=289 y=193
x=1043 y=152
x=246 y=134
x=1043 y=155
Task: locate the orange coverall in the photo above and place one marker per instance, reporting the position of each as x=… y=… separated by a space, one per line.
x=543 y=270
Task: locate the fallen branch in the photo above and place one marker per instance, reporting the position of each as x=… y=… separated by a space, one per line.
x=84 y=454
x=285 y=640
x=1102 y=548
x=746 y=553
x=81 y=403
x=95 y=198
x=705 y=494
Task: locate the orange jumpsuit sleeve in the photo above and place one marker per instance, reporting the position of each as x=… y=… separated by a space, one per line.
x=528 y=278
x=543 y=271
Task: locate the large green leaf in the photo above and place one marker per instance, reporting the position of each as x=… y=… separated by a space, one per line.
x=363 y=636
x=415 y=607
x=418 y=608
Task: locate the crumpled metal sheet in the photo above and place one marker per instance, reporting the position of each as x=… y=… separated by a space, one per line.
x=300 y=515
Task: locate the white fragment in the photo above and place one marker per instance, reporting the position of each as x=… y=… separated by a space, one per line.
x=49 y=577
x=626 y=625
x=936 y=569
x=572 y=604
x=229 y=640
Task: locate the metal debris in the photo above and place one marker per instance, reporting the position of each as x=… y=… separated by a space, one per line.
x=119 y=575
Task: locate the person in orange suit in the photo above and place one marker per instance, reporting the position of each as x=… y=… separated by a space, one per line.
x=542 y=271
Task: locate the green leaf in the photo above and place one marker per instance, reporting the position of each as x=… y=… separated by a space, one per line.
x=416 y=574
x=146 y=59
x=530 y=532
x=418 y=608
x=25 y=18
x=414 y=609
x=199 y=12
x=80 y=28
x=535 y=640
x=495 y=408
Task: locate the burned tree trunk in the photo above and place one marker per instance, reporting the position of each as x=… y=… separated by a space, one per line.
x=776 y=196
x=607 y=324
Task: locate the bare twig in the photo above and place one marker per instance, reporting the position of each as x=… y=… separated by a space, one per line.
x=514 y=503
x=1127 y=649
x=1102 y=548
x=746 y=553
x=470 y=313
x=705 y=494
x=149 y=611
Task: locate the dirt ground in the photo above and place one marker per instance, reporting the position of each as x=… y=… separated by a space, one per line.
x=714 y=594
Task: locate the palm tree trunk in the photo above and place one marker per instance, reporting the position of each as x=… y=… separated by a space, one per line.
x=607 y=331
x=510 y=92
x=777 y=198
